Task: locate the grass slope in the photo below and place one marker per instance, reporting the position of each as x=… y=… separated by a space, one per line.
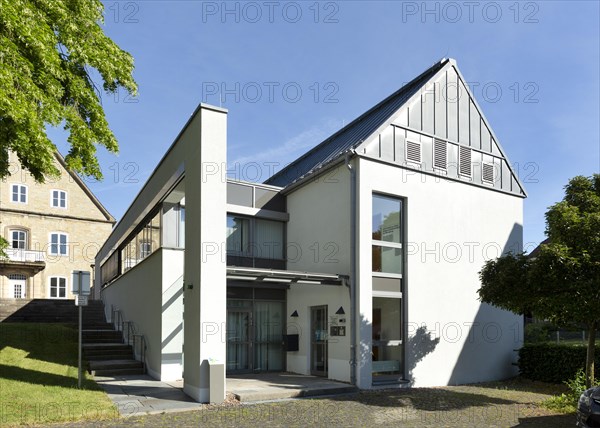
x=38 y=377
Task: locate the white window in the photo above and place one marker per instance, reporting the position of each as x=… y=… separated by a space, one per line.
x=18 y=239
x=58 y=244
x=59 y=199
x=19 y=193
x=58 y=287
x=19 y=283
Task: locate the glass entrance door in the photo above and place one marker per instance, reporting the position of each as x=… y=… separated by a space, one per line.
x=255 y=331
x=318 y=341
x=239 y=340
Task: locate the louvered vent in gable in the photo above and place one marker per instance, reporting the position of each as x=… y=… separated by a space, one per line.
x=487 y=172
x=413 y=151
x=440 y=154
x=464 y=161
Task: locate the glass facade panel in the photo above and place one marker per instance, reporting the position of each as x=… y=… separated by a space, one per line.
x=238 y=236
x=387 y=338
x=254 y=238
x=386 y=219
x=387 y=259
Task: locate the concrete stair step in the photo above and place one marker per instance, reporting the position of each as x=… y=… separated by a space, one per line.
x=115 y=365
x=109 y=355
x=118 y=372
x=104 y=346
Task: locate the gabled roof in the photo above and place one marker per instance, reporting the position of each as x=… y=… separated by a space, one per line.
x=85 y=188
x=350 y=136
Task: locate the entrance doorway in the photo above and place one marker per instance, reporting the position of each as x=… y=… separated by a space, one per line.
x=255 y=329
x=318 y=341
x=18 y=285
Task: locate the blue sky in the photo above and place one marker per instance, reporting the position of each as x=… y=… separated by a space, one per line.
x=295 y=72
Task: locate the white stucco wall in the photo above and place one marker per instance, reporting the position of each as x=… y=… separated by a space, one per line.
x=451 y=229
x=135 y=294
x=318 y=240
x=140 y=294
x=172 y=315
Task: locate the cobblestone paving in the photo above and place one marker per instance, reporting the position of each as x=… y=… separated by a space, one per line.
x=499 y=404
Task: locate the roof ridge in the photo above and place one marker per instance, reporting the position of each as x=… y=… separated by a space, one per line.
x=351 y=125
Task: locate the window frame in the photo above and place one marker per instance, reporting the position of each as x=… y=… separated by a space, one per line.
x=20 y=193
x=11 y=231
x=58 y=278
x=60 y=192
x=389 y=244
x=58 y=244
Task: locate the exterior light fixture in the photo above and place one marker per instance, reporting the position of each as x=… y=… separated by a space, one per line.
x=294 y=314
x=340 y=311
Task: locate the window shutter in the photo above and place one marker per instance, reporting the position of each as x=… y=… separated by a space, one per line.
x=487 y=172
x=440 y=154
x=464 y=161
x=413 y=151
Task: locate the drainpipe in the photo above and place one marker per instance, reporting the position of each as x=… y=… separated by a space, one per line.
x=353 y=363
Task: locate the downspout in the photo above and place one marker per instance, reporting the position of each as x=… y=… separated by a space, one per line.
x=352 y=288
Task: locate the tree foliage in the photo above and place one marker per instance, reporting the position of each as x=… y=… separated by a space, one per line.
x=562 y=282
x=49 y=50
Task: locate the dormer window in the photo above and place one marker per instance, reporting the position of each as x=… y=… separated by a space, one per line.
x=19 y=193
x=59 y=199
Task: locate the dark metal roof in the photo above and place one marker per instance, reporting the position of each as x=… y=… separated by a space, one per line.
x=350 y=136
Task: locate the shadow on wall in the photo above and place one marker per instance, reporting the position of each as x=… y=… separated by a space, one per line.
x=494 y=329
x=419 y=344
x=417 y=347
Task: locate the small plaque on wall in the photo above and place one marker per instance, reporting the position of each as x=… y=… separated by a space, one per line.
x=338 y=330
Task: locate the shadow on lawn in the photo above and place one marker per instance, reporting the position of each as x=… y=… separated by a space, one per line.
x=36 y=377
x=53 y=343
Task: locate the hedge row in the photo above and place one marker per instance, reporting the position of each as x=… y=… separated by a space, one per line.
x=551 y=362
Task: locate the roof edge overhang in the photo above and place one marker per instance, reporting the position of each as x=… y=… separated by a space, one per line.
x=284 y=277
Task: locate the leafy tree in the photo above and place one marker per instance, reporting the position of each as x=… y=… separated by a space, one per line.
x=3 y=246
x=562 y=282
x=49 y=50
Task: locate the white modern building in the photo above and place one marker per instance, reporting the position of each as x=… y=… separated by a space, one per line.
x=357 y=262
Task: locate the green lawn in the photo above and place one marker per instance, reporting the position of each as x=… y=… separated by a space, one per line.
x=38 y=377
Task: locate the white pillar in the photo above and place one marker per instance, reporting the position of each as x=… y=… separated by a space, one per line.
x=205 y=291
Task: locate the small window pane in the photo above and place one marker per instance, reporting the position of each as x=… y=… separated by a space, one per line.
x=238 y=234
x=386 y=219
x=387 y=259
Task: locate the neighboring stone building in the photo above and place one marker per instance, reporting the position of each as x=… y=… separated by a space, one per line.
x=52 y=229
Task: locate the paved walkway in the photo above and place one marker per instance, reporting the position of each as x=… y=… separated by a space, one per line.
x=136 y=395
x=274 y=386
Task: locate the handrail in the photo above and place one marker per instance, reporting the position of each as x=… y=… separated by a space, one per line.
x=130 y=334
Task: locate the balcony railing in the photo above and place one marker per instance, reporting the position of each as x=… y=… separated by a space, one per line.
x=21 y=255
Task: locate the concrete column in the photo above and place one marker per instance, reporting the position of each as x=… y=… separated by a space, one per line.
x=205 y=294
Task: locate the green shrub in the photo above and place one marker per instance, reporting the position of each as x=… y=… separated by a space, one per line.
x=537 y=332
x=549 y=362
x=567 y=403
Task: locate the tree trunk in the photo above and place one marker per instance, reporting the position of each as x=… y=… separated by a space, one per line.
x=589 y=364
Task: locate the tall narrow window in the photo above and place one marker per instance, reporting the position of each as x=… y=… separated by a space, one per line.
x=59 y=199
x=18 y=239
x=58 y=244
x=387 y=235
x=19 y=193
x=58 y=287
